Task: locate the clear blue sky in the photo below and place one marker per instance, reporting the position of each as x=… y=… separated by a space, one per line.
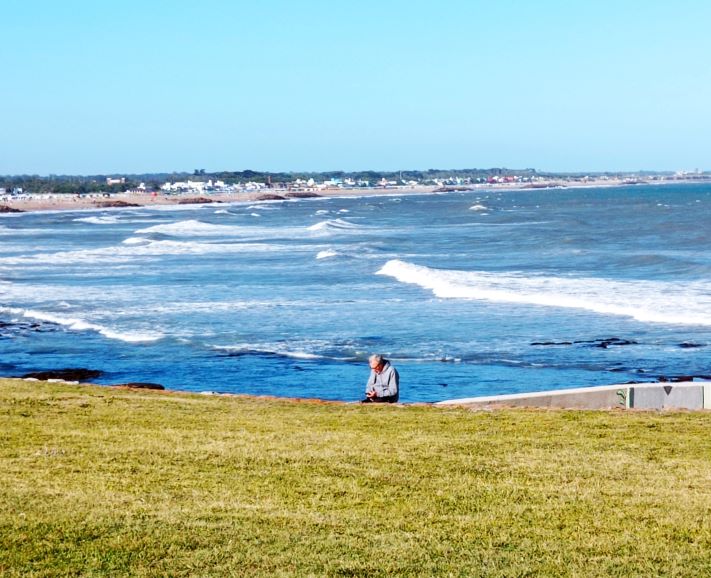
x=134 y=86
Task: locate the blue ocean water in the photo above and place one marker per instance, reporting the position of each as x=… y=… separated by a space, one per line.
x=468 y=293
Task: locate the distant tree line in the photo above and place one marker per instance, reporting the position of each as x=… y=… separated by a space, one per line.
x=79 y=184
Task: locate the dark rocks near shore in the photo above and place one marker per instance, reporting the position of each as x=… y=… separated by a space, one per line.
x=304 y=195
x=270 y=197
x=6 y=209
x=139 y=385
x=681 y=378
x=71 y=374
x=453 y=189
x=114 y=204
x=197 y=201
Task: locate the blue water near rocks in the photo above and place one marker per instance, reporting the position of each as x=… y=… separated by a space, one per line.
x=473 y=293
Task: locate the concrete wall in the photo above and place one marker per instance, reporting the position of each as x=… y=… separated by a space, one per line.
x=686 y=395
x=667 y=397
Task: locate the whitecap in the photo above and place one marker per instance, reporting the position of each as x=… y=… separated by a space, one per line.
x=334 y=225
x=266 y=350
x=684 y=303
x=136 y=247
x=326 y=254
x=104 y=220
x=190 y=228
x=76 y=324
x=478 y=207
x=136 y=241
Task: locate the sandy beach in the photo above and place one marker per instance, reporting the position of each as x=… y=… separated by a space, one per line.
x=56 y=202
x=99 y=201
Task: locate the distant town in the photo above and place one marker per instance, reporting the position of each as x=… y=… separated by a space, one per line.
x=201 y=182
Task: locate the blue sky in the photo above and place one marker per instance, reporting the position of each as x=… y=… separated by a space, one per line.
x=143 y=86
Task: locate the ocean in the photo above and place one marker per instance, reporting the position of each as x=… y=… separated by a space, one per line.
x=467 y=293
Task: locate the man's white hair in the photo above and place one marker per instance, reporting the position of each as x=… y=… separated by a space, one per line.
x=376 y=357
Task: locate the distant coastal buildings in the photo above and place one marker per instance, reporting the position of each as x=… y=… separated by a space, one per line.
x=229 y=182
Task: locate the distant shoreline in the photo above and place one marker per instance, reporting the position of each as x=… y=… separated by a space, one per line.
x=98 y=201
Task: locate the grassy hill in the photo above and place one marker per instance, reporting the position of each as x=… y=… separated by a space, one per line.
x=107 y=482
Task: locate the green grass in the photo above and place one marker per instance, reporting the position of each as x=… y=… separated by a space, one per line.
x=104 y=482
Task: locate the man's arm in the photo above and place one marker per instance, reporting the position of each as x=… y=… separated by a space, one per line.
x=393 y=383
x=370 y=386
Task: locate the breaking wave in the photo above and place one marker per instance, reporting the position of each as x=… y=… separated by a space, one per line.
x=335 y=225
x=105 y=220
x=137 y=247
x=76 y=324
x=326 y=254
x=190 y=228
x=682 y=303
x=305 y=352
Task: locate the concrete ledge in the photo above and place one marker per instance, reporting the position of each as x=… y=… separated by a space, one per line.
x=683 y=395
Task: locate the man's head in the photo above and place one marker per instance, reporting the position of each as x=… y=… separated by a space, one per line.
x=376 y=362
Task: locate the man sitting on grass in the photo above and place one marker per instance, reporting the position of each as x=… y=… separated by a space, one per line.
x=384 y=382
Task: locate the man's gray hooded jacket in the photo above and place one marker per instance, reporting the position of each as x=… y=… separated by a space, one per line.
x=386 y=383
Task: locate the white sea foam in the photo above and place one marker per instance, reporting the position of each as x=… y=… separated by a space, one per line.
x=326 y=254
x=136 y=241
x=76 y=324
x=302 y=351
x=478 y=207
x=133 y=247
x=684 y=303
x=190 y=228
x=104 y=220
x=335 y=225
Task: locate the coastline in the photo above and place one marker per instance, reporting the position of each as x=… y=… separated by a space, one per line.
x=97 y=201
x=148 y=200
x=685 y=395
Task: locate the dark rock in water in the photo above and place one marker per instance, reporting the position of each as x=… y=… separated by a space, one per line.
x=6 y=209
x=690 y=345
x=110 y=204
x=23 y=328
x=74 y=374
x=197 y=201
x=139 y=385
x=270 y=197
x=605 y=343
x=602 y=343
x=679 y=378
x=304 y=195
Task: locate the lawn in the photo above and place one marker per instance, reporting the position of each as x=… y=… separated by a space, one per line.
x=98 y=481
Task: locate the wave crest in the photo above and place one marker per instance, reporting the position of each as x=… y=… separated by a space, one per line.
x=189 y=228
x=76 y=324
x=687 y=303
x=335 y=225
